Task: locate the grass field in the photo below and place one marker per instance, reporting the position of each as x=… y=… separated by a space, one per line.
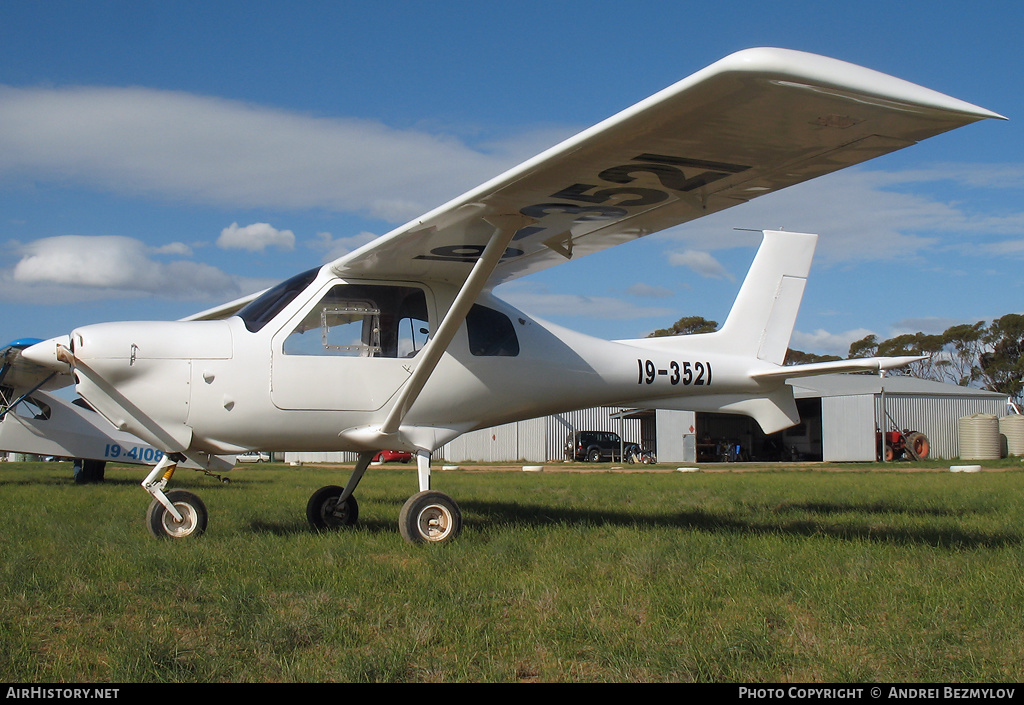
x=800 y=575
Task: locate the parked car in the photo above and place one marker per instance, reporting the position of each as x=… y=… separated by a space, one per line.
x=595 y=446
x=254 y=456
x=392 y=456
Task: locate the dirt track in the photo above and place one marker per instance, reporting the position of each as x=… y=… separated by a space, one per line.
x=560 y=466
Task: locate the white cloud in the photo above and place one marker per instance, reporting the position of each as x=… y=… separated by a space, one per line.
x=700 y=262
x=647 y=291
x=823 y=342
x=1006 y=247
x=862 y=215
x=929 y=325
x=539 y=300
x=255 y=238
x=333 y=248
x=109 y=266
x=182 y=146
x=173 y=248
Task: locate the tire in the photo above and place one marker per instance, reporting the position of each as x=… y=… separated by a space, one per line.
x=917 y=445
x=162 y=525
x=430 y=517
x=890 y=453
x=594 y=456
x=322 y=509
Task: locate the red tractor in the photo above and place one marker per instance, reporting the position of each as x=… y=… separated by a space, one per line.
x=896 y=444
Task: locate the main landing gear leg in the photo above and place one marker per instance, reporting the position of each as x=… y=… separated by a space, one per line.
x=333 y=507
x=176 y=514
x=429 y=516
x=423 y=469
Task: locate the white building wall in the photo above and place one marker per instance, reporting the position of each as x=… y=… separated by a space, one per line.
x=515 y=441
x=677 y=441
x=848 y=428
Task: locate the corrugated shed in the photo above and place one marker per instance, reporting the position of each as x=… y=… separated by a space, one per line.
x=851 y=406
x=935 y=416
x=559 y=426
x=497 y=443
x=320 y=457
x=524 y=440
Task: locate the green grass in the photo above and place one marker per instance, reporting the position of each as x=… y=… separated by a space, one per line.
x=799 y=575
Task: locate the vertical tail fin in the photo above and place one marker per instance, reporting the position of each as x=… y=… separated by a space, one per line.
x=758 y=327
x=762 y=318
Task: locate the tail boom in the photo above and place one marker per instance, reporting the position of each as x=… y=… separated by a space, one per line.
x=749 y=350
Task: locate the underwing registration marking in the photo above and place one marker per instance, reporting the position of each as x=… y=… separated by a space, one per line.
x=697 y=374
x=590 y=201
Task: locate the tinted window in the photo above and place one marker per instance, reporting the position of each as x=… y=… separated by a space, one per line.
x=259 y=311
x=491 y=333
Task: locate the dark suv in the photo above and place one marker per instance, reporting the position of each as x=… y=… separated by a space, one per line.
x=596 y=446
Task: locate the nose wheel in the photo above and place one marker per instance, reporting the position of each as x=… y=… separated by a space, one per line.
x=191 y=510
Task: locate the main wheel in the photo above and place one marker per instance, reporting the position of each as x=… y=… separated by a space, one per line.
x=430 y=517
x=594 y=456
x=324 y=513
x=162 y=523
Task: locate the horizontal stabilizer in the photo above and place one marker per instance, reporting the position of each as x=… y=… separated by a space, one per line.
x=863 y=364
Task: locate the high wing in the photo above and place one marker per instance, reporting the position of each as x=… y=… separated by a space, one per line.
x=755 y=122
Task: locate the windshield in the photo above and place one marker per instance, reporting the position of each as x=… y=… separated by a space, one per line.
x=259 y=311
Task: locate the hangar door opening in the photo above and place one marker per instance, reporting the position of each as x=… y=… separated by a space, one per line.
x=724 y=438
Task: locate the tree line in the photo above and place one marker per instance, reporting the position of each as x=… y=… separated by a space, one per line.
x=984 y=355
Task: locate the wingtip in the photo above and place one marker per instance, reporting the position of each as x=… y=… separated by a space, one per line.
x=827 y=71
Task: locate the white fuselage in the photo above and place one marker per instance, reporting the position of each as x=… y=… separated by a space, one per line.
x=219 y=387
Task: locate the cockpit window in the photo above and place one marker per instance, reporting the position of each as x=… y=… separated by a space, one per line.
x=363 y=320
x=259 y=311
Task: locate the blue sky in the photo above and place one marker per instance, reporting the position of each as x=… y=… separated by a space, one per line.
x=157 y=159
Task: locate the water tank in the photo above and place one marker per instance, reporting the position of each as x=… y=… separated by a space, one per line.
x=979 y=437
x=1012 y=428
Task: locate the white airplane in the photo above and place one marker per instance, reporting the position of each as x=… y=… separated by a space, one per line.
x=401 y=344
